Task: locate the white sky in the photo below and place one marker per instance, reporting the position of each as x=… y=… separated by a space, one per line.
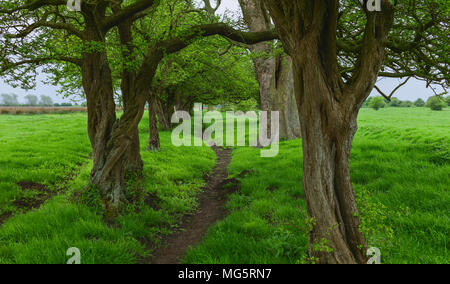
x=413 y=90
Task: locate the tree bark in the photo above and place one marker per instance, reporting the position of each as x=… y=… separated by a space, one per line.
x=153 y=141
x=283 y=98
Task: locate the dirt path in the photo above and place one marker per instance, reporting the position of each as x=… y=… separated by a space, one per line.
x=211 y=209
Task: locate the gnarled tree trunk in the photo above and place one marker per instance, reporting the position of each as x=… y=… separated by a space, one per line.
x=132 y=103
x=113 y=141
x=328 y=129
x=328 y=109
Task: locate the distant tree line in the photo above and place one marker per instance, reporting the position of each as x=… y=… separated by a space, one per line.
x=434 y=103
x=30 y=100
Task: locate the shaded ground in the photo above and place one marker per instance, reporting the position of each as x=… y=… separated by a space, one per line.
x=211 y=209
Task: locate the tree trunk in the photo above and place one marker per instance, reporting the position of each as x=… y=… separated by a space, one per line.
x=132 y=104
x=283 y=98
x=257 y=20
x=153 y=141
x=328 y=129
x=165 y=110
x=114 y=142
x=328 y=109
x=274 y=75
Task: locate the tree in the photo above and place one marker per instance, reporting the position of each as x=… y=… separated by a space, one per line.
x=377 y=103
x=9 y=99
x=274 y=72
x=447 y=100
x=339 y=48
x=419 y=103
x=154 y=143
x=211 y=71
x=77 y=49
x=45 y=101
x=436 y=103
x=395 y=102
x=406 y=104
x=32 y=100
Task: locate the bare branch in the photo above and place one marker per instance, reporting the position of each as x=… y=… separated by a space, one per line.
x=389 y=97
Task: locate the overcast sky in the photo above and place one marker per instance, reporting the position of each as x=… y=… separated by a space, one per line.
x=413 y=90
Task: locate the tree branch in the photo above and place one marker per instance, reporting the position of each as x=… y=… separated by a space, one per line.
x=389 y=97
x=34 y=5
x=249 y=38
x=372 y=54
x=11 y=65
x=127 y=13
x=43 y=23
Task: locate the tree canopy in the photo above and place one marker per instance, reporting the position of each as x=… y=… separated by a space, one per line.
x=417 y=45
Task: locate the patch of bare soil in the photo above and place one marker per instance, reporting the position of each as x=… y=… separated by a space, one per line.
x=43 y=193
x=26 y=185
x=28 y=203
x=4 y=217
x=211 y=209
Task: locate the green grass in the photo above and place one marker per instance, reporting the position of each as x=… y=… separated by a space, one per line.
x=44 y=149
x=400 y=167
x=173 y=177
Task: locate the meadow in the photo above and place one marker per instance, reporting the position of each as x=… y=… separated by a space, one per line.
x=400 y=167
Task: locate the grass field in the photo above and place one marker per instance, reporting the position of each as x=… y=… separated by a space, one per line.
x=47 y=149
x=400 y=169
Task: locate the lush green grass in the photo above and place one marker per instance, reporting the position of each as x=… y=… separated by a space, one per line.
x=400 y=167
x=44 y=149
x=173 y=178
